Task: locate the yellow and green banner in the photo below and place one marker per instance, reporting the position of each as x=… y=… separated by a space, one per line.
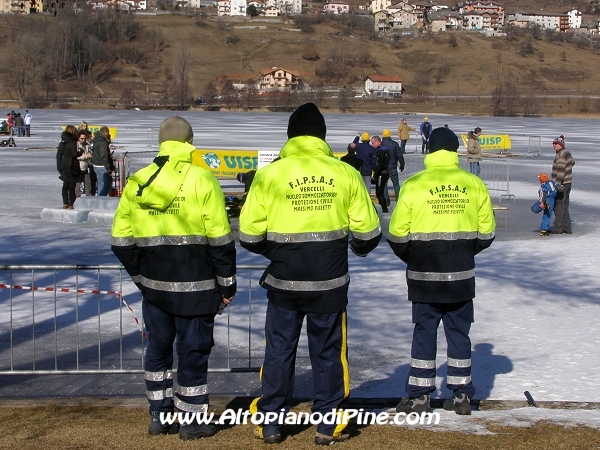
x=491 y=141
x=228 y=163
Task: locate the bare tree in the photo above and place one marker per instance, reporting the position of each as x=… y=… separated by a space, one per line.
x=497 y=101
x=343 y=100
x=420 y=82
x=20 y=66
x=210 y=93
x=441 y=71
x=536 y=31
x=452 y=42
x=511 y=96
x=181 y=84
x=250 y=93
x=228 y=93
x=527 y=47
x=286 y=9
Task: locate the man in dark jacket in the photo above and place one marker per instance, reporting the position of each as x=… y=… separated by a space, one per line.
x=351 y=158
x=396 y=157
x=102 y=160
x=172 y=235
x=443 y=218
x=68 y=166
x=366 y=153
x=380 y=172
x=306 y=203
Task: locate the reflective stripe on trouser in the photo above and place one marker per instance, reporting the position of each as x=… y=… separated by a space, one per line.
x=457 y=319
x=328 y=355
x=194 y=340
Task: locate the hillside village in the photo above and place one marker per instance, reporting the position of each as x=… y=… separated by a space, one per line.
x=477 y=15
x=381 y=21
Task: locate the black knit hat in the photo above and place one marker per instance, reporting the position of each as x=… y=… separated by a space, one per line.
x=307 y=120
x=443 y=139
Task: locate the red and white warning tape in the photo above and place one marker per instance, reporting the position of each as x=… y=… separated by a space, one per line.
x=51 y=289
x=79 y=291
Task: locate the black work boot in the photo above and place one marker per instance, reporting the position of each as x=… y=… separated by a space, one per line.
x=459 y=403
x=195 y=430
x=323 y=439
x=156 y=427
x=271 y=439
x=417 y=405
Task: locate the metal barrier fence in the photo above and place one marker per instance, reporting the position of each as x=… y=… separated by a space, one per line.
x=141 y=137
x=67 y=319
x=414 y=144
x=495 y=172
x=40 y=137
x=132 y=162
x=525 y=145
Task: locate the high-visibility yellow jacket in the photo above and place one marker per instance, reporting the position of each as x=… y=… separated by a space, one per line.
x=299 y=213
x=442 y=219
x=172 y=235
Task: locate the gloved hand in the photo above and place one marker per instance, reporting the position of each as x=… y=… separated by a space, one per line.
x=401 y=168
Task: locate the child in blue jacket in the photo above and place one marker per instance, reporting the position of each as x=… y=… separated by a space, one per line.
x=545 y=203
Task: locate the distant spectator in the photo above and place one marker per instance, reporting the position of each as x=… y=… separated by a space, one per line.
x=83 y=126
x=562 y=173
x=474 y=154
x=20 y=125
x=27 y=121
x=366 y=153
x=547 y=194
x=351 y=158
x=425 y=130
x=84 y=155
x=102 y=160
x=396 y=157
x=380 y=171
x=68 y=165
x=10 y=122
x=404 y=134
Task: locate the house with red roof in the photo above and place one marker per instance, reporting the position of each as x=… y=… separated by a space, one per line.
x=383 y=86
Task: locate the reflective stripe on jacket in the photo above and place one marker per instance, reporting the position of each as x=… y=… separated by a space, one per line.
x=300 y=213
x=443 y=218
x=172 y=235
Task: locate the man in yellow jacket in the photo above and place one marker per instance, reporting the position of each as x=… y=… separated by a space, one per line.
x=442 y=219
x=300 y=213
x=171 y=234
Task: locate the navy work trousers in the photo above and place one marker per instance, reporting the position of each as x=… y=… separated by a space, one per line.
x=328 y=356
x=457 y=319
x=194 y=341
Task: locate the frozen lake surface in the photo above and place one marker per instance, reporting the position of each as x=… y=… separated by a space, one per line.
x=537 y=306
